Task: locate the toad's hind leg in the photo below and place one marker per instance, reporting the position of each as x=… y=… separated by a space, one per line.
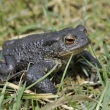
x=36 y=72
x=7 y=65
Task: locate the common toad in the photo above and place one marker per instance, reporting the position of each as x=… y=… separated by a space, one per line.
x=44 y=51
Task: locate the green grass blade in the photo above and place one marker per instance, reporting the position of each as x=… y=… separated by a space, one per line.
x=2 y=95
x=106 y=96
x=64 y=73
x=101 y=99
x=106 y=54
x=17 y=103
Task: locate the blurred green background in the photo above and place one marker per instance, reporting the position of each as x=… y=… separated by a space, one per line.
x=19 y=17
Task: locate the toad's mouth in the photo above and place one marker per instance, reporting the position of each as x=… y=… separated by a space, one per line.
x=74 y=51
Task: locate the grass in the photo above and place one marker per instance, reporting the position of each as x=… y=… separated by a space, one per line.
x=23 y=16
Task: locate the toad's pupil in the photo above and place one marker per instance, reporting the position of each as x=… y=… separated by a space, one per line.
x=69 y=40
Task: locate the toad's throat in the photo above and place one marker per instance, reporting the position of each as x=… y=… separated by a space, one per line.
x=75 y=51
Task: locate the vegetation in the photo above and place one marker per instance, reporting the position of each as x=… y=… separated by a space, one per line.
x=19 y=17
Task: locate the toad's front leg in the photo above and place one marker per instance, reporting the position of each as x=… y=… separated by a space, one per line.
x=36 y=72
x=94 y=62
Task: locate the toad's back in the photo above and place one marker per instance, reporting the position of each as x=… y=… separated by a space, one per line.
x=26 y=49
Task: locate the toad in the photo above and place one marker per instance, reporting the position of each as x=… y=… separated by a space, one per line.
x=44 y=51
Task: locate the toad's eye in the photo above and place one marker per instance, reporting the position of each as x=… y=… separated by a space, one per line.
x=69 y=39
